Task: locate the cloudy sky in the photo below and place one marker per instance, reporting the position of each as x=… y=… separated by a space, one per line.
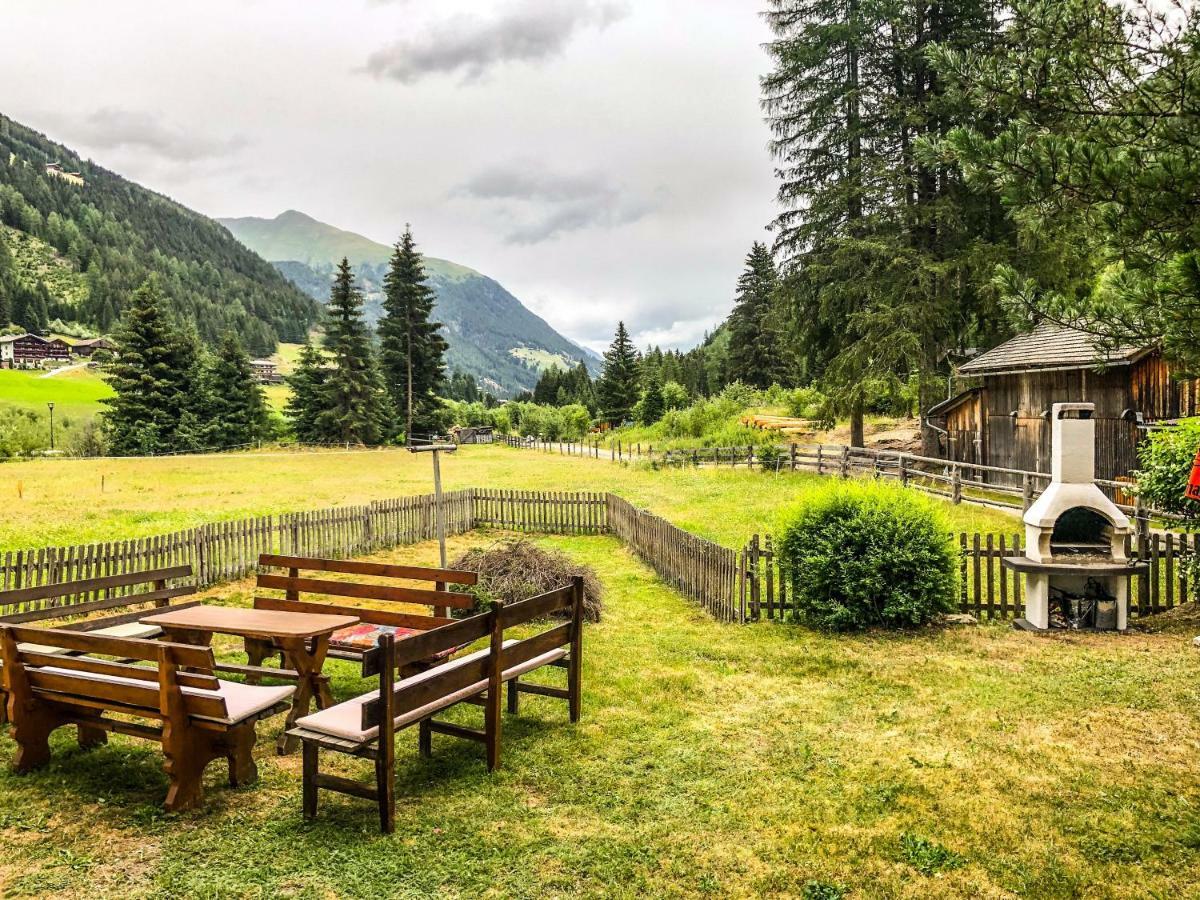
x=603 y=159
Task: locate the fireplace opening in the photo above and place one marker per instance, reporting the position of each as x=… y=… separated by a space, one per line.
x=1083 y=534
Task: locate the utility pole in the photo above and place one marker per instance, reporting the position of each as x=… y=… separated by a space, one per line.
x=439 y=511
x=51 y=405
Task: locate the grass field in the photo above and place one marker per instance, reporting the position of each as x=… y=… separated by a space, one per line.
x=65 y=501
x=711 y=761
x=74 y=393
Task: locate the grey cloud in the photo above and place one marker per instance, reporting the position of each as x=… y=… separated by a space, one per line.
x=111 y=128
x=546 y=204
x=530 y=31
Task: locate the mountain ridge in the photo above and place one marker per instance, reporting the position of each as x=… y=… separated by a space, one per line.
x=490 y=332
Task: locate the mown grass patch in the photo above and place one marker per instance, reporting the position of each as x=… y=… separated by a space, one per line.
x=68 y=501
x=712 y=761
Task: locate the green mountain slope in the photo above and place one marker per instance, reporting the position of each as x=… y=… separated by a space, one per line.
x=491 y=335
x=112 y=234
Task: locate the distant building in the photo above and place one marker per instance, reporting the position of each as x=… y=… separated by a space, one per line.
x=265 y=371
x=1001 y=417
x=473 y=434
x=54 y=170
x=87 y=347
x=29 y=351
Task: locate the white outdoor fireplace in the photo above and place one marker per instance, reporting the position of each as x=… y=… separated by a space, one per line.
x=1077 y=571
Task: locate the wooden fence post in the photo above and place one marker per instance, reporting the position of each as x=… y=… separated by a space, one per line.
x=1026 y=492
x=903 y=461
x=820 y=459
x=845 y=462
x=792 y=454
x=956 y=484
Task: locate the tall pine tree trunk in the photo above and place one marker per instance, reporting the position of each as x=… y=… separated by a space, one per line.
x=857 y=431
x=409 y=391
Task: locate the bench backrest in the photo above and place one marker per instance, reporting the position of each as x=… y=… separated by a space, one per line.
x=447 y=679
x=40 y=664
x=294 y=584
x=66 y=599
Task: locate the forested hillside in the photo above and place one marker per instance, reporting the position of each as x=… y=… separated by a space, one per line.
x=113 y=234
x=492 y=336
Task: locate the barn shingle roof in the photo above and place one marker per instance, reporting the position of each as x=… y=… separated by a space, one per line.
x=1050 y=347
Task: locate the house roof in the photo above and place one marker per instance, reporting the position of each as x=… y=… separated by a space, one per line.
x=1050 y=347
x=940 y=409
x=9 y=338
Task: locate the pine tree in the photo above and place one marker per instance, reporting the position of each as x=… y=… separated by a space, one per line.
x=652 y=405
x=307 y=383
x=153 y=378
x=413 y=349
x=354 y=407
x=8 y=283
x=754 y=348
x=883 y=246
x=236 y=406
x=617 y=390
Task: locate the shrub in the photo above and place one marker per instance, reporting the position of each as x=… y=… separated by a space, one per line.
x=1165 y=459
x=867 y=555
x=512 y=571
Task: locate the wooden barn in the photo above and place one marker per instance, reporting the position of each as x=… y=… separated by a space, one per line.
x=1000 y=417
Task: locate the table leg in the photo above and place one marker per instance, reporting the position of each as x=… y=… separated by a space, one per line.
x=307 y=661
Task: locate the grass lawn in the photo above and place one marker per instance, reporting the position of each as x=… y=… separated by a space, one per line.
x=712 y=761
x=77 y=392
x=65 y=501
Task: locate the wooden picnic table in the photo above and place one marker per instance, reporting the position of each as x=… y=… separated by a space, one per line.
x=302 y=637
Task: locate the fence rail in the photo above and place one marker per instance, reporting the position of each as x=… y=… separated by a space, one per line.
x=732 y=585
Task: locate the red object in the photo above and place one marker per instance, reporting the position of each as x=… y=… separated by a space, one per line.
x=1193 y=488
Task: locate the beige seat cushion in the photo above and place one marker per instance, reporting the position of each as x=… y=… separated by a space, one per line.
x=241 y=700
x=130 y=630
x=345 y=719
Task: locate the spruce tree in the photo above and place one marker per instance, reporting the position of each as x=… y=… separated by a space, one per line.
x=882 y=245
x=354 y=407
x=754 y=348
x=153 y=378
x=236 y=406
x=652 y=404
x=617 y=390
x=412 y=348
x=307 y=383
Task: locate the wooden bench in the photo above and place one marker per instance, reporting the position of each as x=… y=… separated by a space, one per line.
x=352 y=643
x=366 y=725
x=60 y=601
x=201 y=718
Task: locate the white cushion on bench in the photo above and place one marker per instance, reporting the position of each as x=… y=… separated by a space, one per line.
x=129 y=630
x=345 y=720
x=241 y=700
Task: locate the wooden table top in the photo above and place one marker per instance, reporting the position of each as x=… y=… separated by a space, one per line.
x=261 y=623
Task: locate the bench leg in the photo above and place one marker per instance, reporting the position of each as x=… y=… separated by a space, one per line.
x=3 y=708
x=574 y=687
x=514 y=694
x=89 y=737
x=310 y=781
x=425 y=738
x=31 y=730
x=385 y=787
x=242 y=768
x=188 y=753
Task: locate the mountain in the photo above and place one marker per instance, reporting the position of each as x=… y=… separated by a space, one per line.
x=78 y=239
x=491 y=335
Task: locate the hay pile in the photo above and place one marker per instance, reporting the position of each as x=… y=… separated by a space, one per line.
x=511 y=571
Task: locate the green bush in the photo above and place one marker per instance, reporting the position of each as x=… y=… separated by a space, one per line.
x=1165 y=459
x=867 y=555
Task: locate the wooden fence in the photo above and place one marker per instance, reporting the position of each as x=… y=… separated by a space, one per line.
x=986 y=588
x=732 y=585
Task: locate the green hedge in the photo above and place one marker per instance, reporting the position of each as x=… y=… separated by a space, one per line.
x=867 y=555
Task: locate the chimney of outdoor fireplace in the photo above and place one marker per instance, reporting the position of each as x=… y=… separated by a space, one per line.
x=1073 y=443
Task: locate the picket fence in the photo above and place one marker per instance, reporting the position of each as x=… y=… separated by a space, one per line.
x=740 y=585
